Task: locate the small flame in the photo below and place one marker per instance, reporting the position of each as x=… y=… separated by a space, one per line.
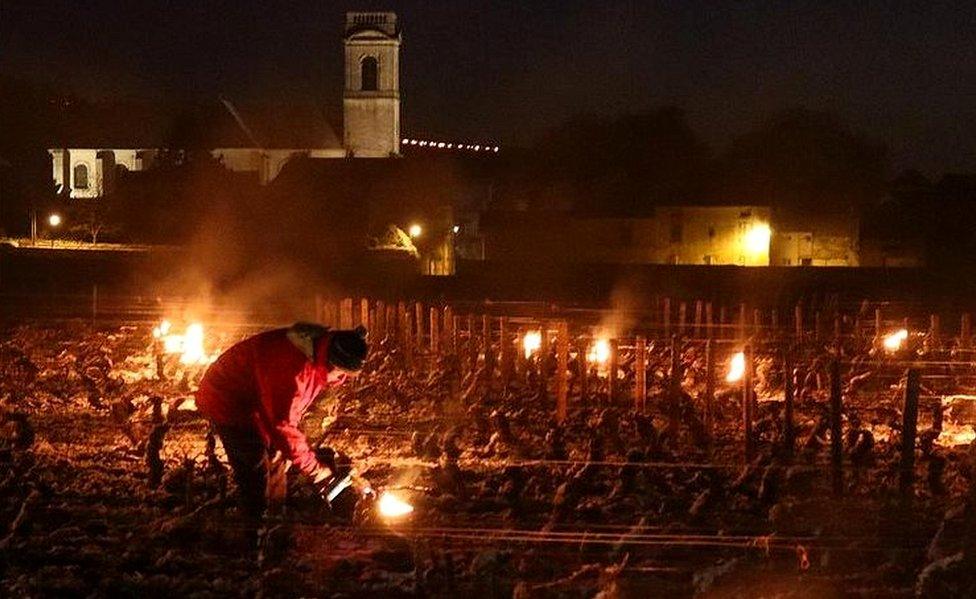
x=531 y=343
x=737 y=368
x=162 y=329
x=893 y=341
x=599 y=352
x=190 y=345
x=392 y=506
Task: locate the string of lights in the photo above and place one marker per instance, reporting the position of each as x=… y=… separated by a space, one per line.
x=448 y=145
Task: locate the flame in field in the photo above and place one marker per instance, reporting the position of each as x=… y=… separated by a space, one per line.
x=893 y=341
x=531 y=343
x=737 y=367
x=190 y=345
x=162 y=329
x=599 y=352
x=392 y=506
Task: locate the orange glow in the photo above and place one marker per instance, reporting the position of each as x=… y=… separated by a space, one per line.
x=893 y=341
x=392 y=506
x=190 y=345
x=531 y=343
x=737 y=368
x=756 y=239
x=599 y=352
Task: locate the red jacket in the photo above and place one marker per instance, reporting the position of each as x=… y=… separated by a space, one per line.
x=266 y=382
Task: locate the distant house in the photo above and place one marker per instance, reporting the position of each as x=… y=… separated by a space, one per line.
x=95 y=142
x=433 y=202
x=743 y=235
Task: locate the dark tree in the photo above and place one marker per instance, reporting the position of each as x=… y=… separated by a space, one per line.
x=622 y=166
x=804 y=162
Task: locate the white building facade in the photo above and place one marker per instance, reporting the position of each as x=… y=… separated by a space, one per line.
x=370 y=123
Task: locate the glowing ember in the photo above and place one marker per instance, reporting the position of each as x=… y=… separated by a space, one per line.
x=190 y=345
x=893 y=341
x=737 y=368
x=531 y=343
x=599 y=352
x=392 y=506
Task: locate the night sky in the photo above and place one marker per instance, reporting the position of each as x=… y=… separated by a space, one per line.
x=491 y=71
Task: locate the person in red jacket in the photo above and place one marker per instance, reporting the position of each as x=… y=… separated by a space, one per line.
x=257 y=391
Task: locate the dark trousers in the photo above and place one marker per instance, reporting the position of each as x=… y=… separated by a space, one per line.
x=258 y=474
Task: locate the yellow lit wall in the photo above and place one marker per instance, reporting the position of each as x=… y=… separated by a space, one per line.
x=713 y=235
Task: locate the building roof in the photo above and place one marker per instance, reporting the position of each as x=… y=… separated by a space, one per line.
x=382 y=22
x=217 y=124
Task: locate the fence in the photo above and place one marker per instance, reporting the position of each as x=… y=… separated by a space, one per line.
x=586 y=357
x=820 y=358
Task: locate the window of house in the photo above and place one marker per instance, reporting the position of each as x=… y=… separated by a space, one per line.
x=81 y=176
x=677 y=231
x=707 y=259
x=806 y=262
x=370 y=74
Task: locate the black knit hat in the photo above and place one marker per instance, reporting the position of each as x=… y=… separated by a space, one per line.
x=348 y=349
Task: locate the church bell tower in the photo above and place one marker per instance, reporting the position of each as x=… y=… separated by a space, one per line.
x=371 y=98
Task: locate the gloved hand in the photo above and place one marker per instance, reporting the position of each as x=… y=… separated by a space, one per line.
x=334 y=486
x=337 y=482
x=322 y=473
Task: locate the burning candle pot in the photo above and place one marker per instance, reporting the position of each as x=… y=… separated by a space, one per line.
x=392 y=507
x=531 y=343
x=737 y=368
x=190 y=345
x=351 y=497
x=354 y=499
x=894 y=341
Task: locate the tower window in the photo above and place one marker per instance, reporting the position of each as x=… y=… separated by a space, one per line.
x=81 y=176
x=370 y=74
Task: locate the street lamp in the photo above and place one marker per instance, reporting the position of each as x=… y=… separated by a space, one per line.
x=54 y=220
x=415 y=231
x=757 y=238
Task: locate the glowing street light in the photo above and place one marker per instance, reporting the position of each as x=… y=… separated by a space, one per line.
x=756 y=239
x=531 y=343
x=456 y=229
x=892 y=342
x=415 y=231
x=737 y=368
x=54 y=220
